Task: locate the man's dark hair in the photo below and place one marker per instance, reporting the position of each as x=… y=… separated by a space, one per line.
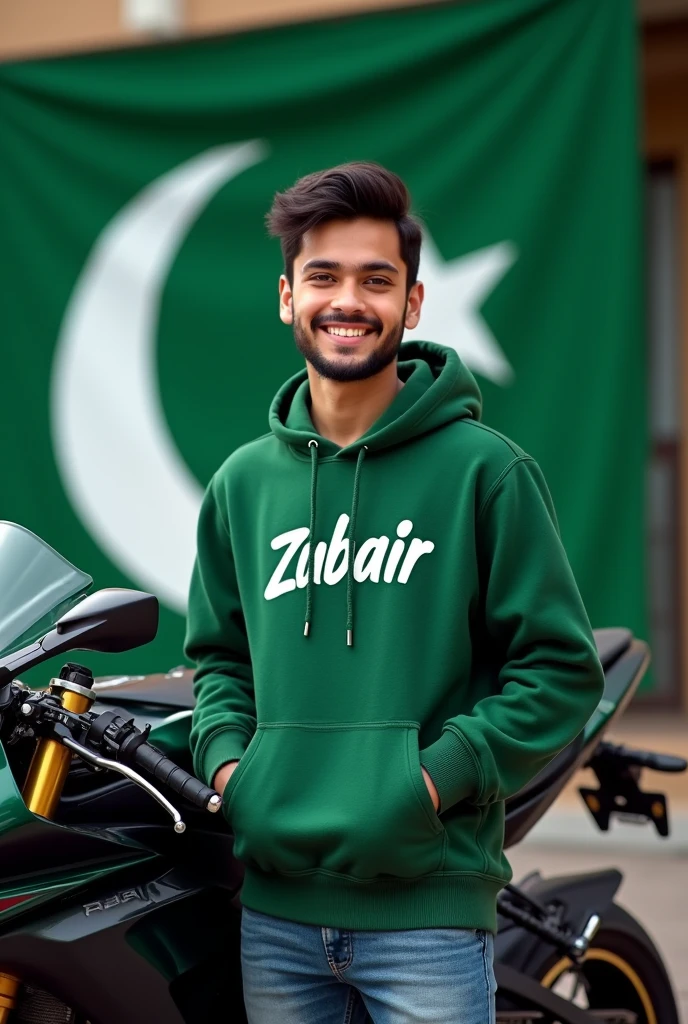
x=344 y=193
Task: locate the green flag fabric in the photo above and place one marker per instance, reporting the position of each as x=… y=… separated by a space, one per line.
x=138 y=324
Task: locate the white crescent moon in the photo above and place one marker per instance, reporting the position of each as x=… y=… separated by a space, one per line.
x=119 y=464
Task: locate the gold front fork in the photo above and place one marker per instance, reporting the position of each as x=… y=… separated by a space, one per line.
x=41 y=791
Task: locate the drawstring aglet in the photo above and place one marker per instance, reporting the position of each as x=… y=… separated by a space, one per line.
x=306 y=628
x=349 y=638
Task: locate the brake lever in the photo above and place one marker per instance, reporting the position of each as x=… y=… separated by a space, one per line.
x=104 y=762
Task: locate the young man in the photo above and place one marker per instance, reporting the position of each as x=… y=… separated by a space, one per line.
x=388 y=636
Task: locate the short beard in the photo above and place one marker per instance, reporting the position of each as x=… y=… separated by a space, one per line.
x=385 y=353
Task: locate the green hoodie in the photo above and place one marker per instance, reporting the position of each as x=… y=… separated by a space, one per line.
x=455 y=639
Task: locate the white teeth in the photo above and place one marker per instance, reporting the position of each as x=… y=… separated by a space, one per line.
x=346 y=332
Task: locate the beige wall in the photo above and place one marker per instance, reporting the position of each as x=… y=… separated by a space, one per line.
x=663 y=10
x=40 y=27
x=36 y=27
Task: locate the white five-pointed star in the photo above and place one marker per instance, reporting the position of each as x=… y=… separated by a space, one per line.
x=454 y=292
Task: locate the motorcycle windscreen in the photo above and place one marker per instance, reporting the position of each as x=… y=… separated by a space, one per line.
x=37 y=586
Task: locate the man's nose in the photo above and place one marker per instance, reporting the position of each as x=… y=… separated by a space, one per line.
x=348 y=299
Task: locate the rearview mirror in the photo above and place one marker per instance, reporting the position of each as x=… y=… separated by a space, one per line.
x=111 y=620
x=108 y=621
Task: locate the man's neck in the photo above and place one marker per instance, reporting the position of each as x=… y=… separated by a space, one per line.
x=343 y=411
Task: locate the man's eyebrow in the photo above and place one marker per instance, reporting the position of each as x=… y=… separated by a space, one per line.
x=361 y=268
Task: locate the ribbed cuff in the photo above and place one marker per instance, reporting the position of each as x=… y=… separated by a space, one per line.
x=452 y=768
x=224 y=746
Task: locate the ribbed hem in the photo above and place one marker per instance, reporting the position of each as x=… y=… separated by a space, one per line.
x=452 y=768
x=228 y=745
x=333 y=901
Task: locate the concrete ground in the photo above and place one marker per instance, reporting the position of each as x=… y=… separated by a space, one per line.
x=655 y=887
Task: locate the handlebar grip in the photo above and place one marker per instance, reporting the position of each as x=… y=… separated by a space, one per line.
x=161 y=768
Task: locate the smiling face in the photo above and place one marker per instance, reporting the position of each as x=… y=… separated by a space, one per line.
x=348 y=303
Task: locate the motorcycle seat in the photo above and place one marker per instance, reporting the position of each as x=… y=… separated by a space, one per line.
x=611 y=644
x=558 y=766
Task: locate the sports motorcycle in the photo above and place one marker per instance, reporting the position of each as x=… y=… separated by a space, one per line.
x=119 y=892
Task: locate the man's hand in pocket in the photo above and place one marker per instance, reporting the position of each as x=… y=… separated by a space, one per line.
x=434 y=795
x=223 y=776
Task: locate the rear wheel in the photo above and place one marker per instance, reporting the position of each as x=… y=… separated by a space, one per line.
x=622 y=971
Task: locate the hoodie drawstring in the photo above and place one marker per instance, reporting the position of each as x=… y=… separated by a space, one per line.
x=313 y=448
x=352 y=551
x=351 y=535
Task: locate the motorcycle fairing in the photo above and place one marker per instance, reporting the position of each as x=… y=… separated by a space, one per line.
x=175 y=929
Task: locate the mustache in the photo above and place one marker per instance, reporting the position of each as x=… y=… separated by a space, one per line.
x=341 y=318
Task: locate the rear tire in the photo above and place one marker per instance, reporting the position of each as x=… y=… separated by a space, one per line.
x=623 y=970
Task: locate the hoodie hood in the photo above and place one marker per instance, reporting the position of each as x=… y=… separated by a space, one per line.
x=438 y=389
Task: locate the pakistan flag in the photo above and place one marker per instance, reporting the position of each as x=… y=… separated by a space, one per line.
x=140 y=342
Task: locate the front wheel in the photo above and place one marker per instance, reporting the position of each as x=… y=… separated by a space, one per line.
x=621 y=971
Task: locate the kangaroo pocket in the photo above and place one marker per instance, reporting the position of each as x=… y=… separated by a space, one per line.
x=343 y=798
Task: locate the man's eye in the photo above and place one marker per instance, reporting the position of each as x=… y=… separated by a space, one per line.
x=322 y=277
x=378 y=280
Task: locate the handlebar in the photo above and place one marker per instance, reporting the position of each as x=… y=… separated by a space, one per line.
x=119 y=738
x=189 y=788
x=107 y=740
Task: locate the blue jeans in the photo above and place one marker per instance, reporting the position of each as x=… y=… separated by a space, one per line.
x=302 y=974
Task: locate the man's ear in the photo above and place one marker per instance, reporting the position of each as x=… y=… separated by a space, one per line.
x=413 y=305
x=286 y=301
